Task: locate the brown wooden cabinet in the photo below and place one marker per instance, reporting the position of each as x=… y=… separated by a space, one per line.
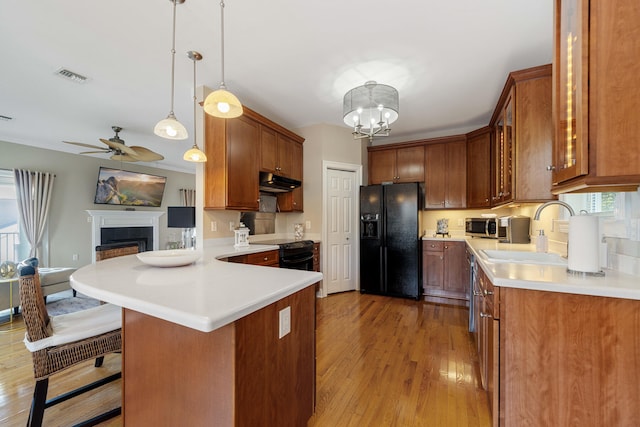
x=396 y=164
x=277 y=154
x=596 y=94
x=446 y=173
x=316 y=256
x=522 y=138
x=267 y=258
x=231 y=171
x=479 y=168
x=568 y=359
x=237 y=149
x=444 y=269
x=292 y=202
x=488 y=333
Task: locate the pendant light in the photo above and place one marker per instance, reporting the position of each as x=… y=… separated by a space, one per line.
x=170 y=127
x=194 y=154
x=222 y=103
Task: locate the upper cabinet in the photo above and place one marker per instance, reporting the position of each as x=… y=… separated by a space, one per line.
x=237 y=149
x=446 y=173
x=522 y=138
x=231 y=171
x=396 y=164
x=479 y=168
x=596 y=96
x=277 y=153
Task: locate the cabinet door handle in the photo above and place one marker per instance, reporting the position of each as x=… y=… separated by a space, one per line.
x=551 y=168
x=486 y=292
x=487 y=315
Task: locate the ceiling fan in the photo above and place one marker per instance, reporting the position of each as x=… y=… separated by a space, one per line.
x=121 y=152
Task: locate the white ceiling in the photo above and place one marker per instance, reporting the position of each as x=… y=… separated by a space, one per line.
x=290 y=60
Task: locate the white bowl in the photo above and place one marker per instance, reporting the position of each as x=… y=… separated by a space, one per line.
x=170 y=258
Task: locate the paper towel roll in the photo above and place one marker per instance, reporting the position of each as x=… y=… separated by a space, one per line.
x=584 y=245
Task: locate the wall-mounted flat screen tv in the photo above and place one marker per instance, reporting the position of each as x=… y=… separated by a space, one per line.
x=119 y=187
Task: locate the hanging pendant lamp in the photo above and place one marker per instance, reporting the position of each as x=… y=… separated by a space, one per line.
x=222 y=103
x=194 y=154
x=170 y=127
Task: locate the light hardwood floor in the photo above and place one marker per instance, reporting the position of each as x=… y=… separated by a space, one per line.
x=380 y=362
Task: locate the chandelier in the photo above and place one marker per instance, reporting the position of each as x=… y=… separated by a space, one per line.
x=370 y=109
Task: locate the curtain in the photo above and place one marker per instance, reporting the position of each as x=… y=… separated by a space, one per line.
x=187 y=197
x=33 y=194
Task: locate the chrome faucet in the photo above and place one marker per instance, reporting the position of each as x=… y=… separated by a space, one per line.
x=553 y=202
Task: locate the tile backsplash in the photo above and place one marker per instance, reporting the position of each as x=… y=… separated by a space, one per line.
x=623 y=255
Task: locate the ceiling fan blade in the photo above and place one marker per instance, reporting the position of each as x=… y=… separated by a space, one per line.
x=119 y=147
x=82 y=144
x=146 y=155
x=124 y=158
x=95 y=152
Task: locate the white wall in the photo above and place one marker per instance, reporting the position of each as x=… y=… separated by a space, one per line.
x=74 y=188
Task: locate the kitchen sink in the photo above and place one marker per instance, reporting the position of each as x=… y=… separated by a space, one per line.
x=523 y=257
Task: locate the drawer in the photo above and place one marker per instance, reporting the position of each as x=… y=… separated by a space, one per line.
x=263 y=258
x=432 y=246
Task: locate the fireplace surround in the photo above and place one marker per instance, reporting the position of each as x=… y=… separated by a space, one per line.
x=125 y=225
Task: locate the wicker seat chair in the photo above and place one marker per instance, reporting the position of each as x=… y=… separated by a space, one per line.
x=60 y=342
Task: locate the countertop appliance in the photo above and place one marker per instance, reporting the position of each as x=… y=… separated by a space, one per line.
x=389 y=243
x=483 y=227
x=293 y=254
x=514 y=229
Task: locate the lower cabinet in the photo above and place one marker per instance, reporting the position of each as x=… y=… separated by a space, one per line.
x=445 y=270
x=268 y=258
x=488 y=342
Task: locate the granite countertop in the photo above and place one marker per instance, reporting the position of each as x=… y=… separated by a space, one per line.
x=205 y=295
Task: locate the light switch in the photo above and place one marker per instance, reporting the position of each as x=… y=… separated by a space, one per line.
x=307 y=225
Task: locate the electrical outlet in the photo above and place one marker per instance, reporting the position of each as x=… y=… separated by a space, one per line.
x=88 y=219
x=307 y=225
x=284 y=326
x=232 y=225
x=460 y=222
x=214 y=226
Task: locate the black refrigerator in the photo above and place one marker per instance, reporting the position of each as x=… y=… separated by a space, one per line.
x=389 y=239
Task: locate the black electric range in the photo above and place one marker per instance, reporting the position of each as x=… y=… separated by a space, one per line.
x=293 y=254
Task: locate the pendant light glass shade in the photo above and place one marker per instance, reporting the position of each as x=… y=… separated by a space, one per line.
x=222 y=103
x=194 y=154
x=170 y=127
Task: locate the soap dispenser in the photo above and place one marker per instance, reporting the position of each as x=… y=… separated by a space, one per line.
x=542 y=244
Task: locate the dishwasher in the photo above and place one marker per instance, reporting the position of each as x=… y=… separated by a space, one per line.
x=472 y=279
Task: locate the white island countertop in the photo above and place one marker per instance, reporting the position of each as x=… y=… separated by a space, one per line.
x=205 y=295
x=547 y=277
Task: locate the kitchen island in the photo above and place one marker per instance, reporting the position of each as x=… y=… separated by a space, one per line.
x=201 y=343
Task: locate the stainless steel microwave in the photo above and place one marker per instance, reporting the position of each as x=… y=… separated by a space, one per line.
x=483 y=227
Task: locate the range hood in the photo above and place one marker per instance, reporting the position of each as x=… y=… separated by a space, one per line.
x=271 y=183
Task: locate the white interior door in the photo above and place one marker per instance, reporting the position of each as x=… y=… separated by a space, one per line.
x=341 y=220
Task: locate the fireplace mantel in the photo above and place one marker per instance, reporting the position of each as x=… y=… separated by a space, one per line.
x=112 y=218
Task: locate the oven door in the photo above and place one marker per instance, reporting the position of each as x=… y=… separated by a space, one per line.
x=298 y=262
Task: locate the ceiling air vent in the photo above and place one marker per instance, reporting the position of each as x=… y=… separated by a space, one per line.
x=70 y=75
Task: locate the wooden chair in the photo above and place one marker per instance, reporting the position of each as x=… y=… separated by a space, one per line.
x=112 y=250
x=60 y=342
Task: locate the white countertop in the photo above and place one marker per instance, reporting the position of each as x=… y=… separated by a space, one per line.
x=205 y=295
x=548 y=277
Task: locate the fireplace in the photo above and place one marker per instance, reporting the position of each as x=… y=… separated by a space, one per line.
x=110 y=226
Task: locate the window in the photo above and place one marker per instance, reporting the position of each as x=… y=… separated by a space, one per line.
x=593 y=203
x=13 y=246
